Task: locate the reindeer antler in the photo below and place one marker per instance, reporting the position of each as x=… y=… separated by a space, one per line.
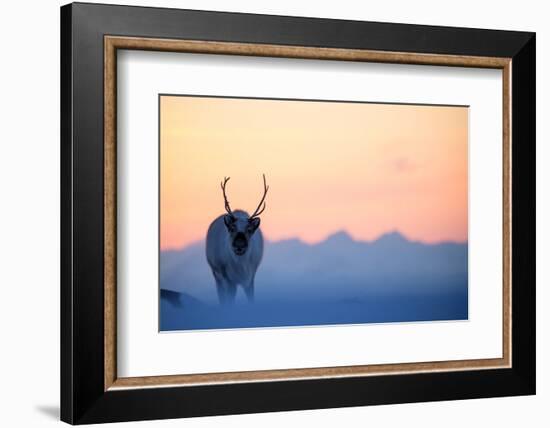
x=258 y=210
x=227 y=207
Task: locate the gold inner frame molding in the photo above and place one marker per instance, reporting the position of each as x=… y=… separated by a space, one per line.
x=113 y=43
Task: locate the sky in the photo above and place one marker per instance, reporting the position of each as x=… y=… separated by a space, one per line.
x=364 y=168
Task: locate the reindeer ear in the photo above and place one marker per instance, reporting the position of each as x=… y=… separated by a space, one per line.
x=228 y=220
x=254 y=223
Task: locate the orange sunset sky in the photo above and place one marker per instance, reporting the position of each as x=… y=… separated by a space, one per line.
x=363 y=168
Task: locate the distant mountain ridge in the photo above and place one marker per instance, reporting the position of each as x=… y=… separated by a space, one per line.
x=337 y=267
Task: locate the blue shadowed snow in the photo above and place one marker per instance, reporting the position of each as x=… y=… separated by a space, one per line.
x=338 y=281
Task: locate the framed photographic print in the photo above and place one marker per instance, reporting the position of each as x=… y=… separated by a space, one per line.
x=264 y=213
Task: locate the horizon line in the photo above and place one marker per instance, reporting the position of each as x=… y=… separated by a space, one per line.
x=330 y=235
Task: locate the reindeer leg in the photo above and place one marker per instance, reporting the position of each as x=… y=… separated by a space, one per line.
x=231 y=292
x=222 y=296
x=249 y=291
x=222 y=287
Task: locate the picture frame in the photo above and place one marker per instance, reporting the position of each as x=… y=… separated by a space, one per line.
x=91 y=36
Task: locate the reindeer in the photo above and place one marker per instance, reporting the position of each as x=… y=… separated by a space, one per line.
x=234 y=248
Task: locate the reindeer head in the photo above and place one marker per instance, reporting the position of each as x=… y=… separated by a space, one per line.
x=239 y=224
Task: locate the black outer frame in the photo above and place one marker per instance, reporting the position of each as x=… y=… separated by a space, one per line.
x=83 y=399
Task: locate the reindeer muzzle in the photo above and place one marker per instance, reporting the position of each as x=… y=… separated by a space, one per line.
x=240 y=244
